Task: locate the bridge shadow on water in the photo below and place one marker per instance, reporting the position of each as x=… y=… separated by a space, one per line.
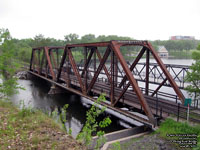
x=36 y=95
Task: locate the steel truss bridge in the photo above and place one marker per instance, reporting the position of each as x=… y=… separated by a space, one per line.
x=104 y=69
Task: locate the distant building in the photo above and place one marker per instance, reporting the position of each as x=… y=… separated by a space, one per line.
x=163 y=52
x=182 y=37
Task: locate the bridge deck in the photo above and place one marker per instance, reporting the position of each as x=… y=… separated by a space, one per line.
x=61 y=66
x=159 y=106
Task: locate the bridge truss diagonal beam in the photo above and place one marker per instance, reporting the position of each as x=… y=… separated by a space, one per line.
x=104 y=67
x=133 y=65
x=167 y=74
x=74 y=67
x=87 y=81
x=116 y=47
x=103 y=61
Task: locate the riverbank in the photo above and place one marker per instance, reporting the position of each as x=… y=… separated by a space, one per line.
x=32 y=129
x=171 y=135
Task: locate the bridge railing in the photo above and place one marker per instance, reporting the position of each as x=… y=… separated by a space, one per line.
x=45 y=63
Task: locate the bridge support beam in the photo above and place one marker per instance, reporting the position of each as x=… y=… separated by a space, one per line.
x=70 y=76
x=56 y=90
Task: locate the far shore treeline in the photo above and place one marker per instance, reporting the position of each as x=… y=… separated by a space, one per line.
x=22 y=47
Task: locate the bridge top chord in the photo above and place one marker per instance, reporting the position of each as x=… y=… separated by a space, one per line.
x=61 y=66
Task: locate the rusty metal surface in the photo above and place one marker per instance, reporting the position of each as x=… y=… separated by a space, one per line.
x=99 y=69
x=71 y=59
x=165 y=71
x=86 y=80
x=104 y=67
x=49 y=62
x=133 y=65
x=147 y=73
x=133 y=83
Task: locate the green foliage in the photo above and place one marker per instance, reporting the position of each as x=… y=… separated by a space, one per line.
x=177 y=44
x=194 y=76
x=24 y=111
x=181 y=54
x=8 y=87
x=4 y=35
x=8 y=65
x=92 y=124
x=31 y=129
x=71 y=38
x=170 y=126
x=61 y=116
x=116 y=146
x=70 y=131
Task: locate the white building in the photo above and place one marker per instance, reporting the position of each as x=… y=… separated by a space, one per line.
x=163 y=52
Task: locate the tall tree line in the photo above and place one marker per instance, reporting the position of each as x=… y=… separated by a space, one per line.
x=22 y=47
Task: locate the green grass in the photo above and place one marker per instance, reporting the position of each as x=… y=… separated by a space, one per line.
x=171 y=127
x=31 y=129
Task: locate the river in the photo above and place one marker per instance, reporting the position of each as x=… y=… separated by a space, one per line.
x=36 y=95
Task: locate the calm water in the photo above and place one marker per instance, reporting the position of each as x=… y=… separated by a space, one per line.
x=36 y=95
x=172 y=61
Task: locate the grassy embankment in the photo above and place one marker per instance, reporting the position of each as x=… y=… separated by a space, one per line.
x=172 y=130
x=28 y=129
x=168 y=132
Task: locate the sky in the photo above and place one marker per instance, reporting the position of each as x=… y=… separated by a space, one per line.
x=138 y=19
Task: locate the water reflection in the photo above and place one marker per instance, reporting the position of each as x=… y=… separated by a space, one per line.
x=35 y=95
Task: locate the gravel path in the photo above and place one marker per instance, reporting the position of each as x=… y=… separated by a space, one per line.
x=146 y=142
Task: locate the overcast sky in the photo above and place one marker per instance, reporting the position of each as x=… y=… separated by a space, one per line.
x=139 y=19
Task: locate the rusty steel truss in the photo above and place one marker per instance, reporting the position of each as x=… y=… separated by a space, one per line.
x=60 y=64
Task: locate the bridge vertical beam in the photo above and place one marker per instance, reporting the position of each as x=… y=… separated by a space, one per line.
x=49 y=63
x=112 y=77
x=31 y=62
x=39 y=61
x=46 y=66
x=68 y=71
x=115 y=70
x=61 y=64
x=57 y=58
x=133 y=82
x=86 y=63
x=52 y=56
x=86 y=60
x=147 y=73
x=43 y=57
x=74 y=67
x=95 y=53
x=34 y=61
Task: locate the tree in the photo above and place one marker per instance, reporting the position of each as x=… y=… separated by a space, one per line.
x=4 y=35
x=8 y=65
x=194 y=76
x=88 y=38
x=71 y=38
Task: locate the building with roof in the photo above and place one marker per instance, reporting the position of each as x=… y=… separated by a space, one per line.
x=179 y=37
x=163 y=52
